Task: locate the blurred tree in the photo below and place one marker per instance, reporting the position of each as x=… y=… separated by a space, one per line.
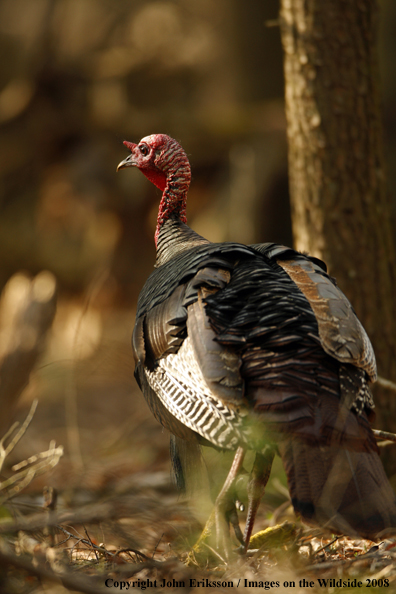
x=341 y=209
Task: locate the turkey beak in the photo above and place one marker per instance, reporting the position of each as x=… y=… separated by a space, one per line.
x=128 y=162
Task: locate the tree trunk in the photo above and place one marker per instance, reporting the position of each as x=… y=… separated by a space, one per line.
x=340 y=207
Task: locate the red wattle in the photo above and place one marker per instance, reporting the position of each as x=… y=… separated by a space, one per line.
x=157 y=177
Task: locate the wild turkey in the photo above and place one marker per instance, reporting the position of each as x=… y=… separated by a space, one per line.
x=255 y=348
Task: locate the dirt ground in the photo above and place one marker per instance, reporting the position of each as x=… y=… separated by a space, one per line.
x=118 y=518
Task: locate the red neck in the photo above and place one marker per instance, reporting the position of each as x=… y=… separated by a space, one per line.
x=173 y=204
x=169 y=169
x=172 y=175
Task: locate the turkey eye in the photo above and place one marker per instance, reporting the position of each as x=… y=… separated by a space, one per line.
x=144 y=150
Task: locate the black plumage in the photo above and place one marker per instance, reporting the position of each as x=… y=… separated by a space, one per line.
x=256 y=348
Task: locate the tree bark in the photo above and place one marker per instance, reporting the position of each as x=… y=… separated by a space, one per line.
x=341 y=210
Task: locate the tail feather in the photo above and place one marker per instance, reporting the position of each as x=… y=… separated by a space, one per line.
x=345 y=490
x=188 y=466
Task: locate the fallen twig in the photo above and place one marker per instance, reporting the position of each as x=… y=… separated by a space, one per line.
x=68 y=579
x=326 y=546
x=99 y=548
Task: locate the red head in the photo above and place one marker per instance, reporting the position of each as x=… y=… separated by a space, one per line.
x=165 y=164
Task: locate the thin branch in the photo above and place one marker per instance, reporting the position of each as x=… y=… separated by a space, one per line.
x=91 y=544
x=23 y=428
x=4 y=452
x=100 y=549
x=326 y=546
x=52 y=451
x=385 y=435
x=157 y=545
x=386 y=383
x=3 y=439
x=22 y=480
x=134 y=551
x=40 y=464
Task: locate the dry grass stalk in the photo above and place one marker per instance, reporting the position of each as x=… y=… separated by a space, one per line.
x=27 y=470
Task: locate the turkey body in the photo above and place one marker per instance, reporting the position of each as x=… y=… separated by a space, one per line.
x=255 y=347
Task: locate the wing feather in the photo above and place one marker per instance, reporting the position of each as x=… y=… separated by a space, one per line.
x=342 y=335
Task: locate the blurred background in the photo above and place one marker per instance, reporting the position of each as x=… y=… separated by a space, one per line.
x=77 y=77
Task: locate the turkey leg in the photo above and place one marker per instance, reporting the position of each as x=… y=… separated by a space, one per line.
x=225 y=511
x=258 y=480
x=223 y=514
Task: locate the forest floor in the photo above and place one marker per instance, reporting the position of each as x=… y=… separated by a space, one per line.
x=105 y=516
